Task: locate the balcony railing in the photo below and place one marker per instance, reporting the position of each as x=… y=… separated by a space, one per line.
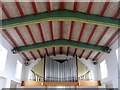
x=36 y=77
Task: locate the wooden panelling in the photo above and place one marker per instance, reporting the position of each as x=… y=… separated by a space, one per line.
x=60 y=83
x=80 y=83
x=31 y=83
x=89 y=83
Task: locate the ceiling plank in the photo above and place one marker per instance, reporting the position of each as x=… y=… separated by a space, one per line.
x=60 y=16
x=61 y=43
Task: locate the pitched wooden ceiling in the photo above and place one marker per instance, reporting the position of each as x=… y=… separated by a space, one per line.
x=50 y=30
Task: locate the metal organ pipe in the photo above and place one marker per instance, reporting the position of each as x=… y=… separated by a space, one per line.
x=60 y=70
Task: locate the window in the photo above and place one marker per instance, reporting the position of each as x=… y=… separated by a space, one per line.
x=18 y=70
x=117 y=56
x=117 y=52
x=3 y=56
x=103 y=69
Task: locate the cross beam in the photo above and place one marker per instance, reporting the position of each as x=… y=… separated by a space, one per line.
x=61 y=43
x=59 y=15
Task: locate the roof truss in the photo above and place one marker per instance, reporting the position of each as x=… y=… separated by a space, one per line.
x=60 y=43
x=59 y=15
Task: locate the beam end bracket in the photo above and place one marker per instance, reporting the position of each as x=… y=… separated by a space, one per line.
x=107 y=50
x=14 y=50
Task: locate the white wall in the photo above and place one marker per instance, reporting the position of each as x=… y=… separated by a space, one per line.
x=112 y=66
x=91 y=67
x=10 y=67
x=28 y=68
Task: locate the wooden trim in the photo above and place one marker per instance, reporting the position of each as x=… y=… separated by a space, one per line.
x=80 y=83
x=31 y=83
x=60 y=83
x=77 y=68
x=89 y=83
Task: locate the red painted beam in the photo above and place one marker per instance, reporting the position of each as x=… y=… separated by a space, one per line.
x=32 y=55
x=19 y=34
x=116 y=14
x=68 y=50
x=80 y=35
x=93 y=31
x=95 y=26
x=26 y=58
x=19 y=9
x=89 y=55
x=48 y=6
x=34 y=8
x=113 y=36
x=41 y=32
x=96 y=55
x=70 y=36
x=75 y=52
x=42 y=35
x=51 y=30
x=82 y=53
x=104 y=8
x=71 y=30
x=39 y=53
x=61 y=29
x=5 y=11
x=28 y=28
x=54 y=51
x=61 y=32
x=46 y=51
x=75 y=6
x=116 y=38
x=61 y=50
x=31 y=35
x=105 y=31
x=89 y=7
x=10 y=38
x=61 y=6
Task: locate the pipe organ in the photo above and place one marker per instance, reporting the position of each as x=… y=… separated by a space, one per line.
x=60 y=70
